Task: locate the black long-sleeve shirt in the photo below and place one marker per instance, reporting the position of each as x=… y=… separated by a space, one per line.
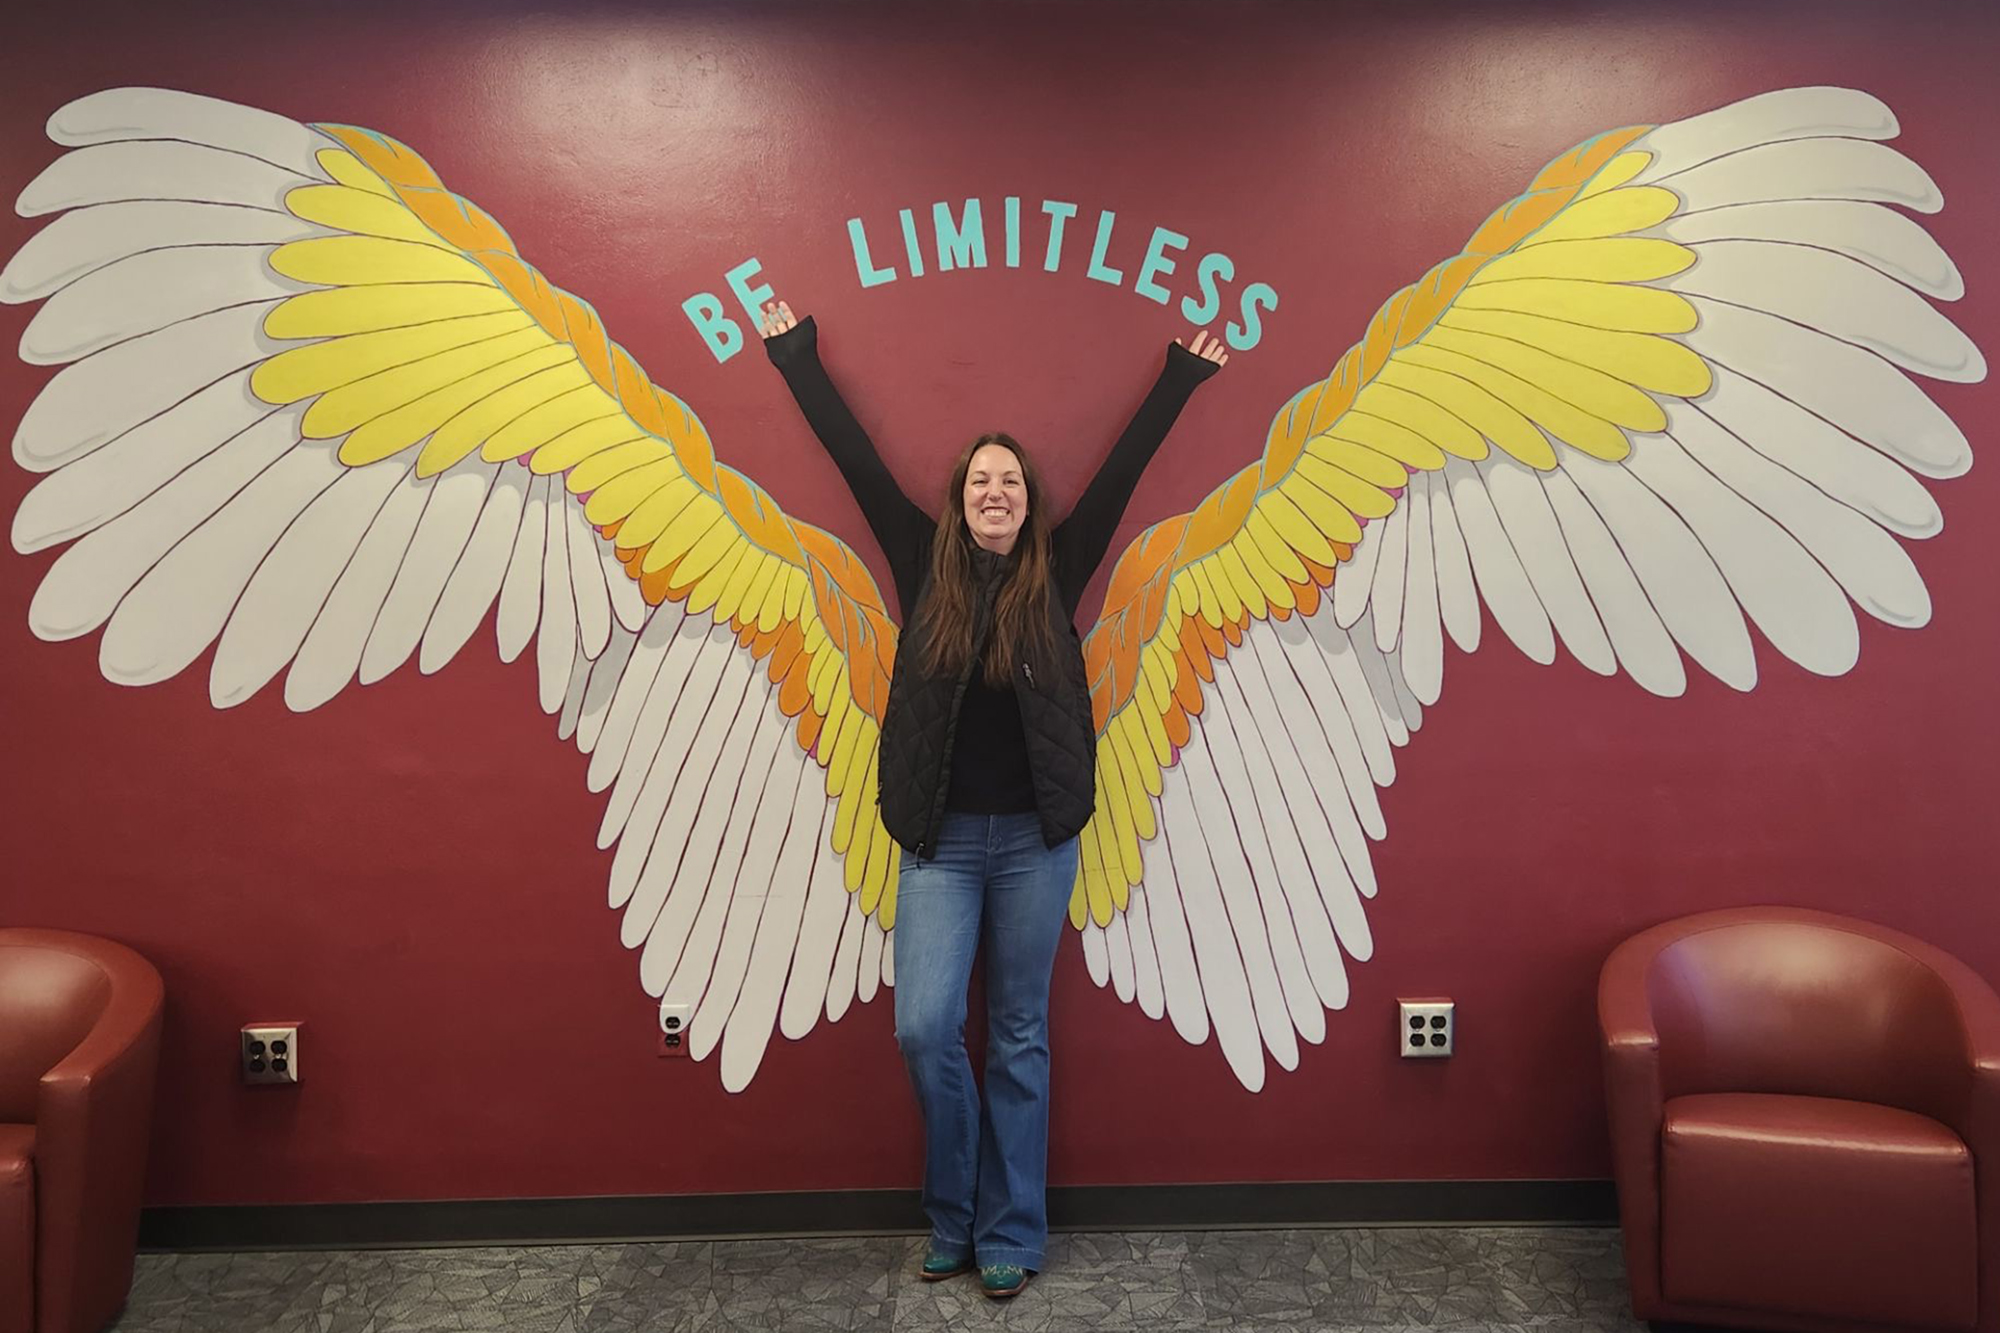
x=989 y=769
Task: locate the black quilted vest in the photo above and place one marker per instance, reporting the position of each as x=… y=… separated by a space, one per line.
x=921 y=722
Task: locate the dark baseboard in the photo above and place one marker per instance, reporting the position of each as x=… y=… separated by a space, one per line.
x=422 y=1224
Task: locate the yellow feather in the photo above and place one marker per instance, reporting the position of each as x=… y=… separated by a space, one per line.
x=359 y=261
x=1615 y=173
x=1590 y=433
x=1297 y=530
x=846 y=749
x=361 y=213
x=542 y=423
x=396 y=429
x=829 y=685
x=736 y=591
x=1239 y=592
x=875 y=880
x=1204 y=593
x=1284 y=562
x=1353 y=494
x=712 y=582
x=840 y=718
x=1152 y=722
x=1643 y=359
x=470 y=428
x=1600 y=305
x=701 y=516
x=1514 y=433
x=1423 y=416
x=344 y=167
x=1613 y=259
x=1272 y=588
x=1589 y=391
x=703 y=555
x=1079 y=907
x=1350 y=452
x=577 y=443
x=797 y=584
x=866 y=806
x=1612 y=213
x=597 y=471
x=1136 y=753
x=301 y=372
x=1322 y=511
x=886 y=914
x=757 y=593
x=646 y=499
x=1119 y=800
x=336 y=312
x=1388 y=438
x=351 y=405
x=1095 y=886
x=814 y=634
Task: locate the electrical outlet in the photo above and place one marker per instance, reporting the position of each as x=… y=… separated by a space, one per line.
x=270 y=1054
x=674 y=1029
x=1424 y=1028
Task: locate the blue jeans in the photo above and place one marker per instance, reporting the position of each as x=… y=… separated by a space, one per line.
x=985 y=1172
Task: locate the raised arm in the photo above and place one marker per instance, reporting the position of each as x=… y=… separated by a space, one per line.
x=903 y=529
x=1081 y=539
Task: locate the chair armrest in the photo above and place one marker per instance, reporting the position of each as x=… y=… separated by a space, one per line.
x=92 y=1125
x=1634 y=1102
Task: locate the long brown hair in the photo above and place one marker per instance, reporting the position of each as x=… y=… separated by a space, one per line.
x=1021 y=609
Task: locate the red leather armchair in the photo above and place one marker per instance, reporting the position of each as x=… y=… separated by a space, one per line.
x=1798 y=1102
x=79 y=1044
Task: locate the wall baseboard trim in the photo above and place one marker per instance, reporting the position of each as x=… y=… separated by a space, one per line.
x=615 y=1218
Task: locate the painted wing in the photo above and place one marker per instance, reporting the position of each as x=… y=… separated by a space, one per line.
x=1660 y=397
x=295 y=372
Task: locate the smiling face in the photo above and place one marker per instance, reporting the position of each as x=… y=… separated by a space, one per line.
x=996 y=497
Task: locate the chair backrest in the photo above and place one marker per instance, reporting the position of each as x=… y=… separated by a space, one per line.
x=1807 y=1009
x=49 y=1000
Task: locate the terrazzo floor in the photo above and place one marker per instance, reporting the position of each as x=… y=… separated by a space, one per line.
x=1554 y=1280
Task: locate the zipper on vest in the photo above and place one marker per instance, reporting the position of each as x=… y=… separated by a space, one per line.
x=1029 y=672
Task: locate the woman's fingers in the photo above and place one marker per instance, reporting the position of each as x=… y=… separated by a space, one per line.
x=776 y=319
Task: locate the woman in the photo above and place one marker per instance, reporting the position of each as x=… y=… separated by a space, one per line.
x=987 y=776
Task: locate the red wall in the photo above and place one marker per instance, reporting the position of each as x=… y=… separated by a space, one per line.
x=410 y=870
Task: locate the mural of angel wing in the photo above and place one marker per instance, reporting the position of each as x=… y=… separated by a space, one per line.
x=295 y=372
x=1662 y=393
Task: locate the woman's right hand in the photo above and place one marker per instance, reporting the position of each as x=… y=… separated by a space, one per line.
x=776 y=319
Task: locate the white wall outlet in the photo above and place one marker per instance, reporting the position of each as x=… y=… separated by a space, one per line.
x=674 y=1020
x=270 y=1054
x=1424 y=1028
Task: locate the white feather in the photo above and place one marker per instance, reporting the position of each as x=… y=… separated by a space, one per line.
x=846 y=962
x=1833 y=461
x=605 y=673
x=521 y=589
x=689 y=684
x=1458 y=598
x=164 y=113
x=1787 y=113
x=475 y=581
x=1117 y=936
x=98 y=399
x=1145 y=960
x=1851 y=387
x=1096 y=954
x=827 y=903
x=628 y=604
x=83 y=241
x=1807 y=169
x=556 y=637
x=1680 y=579
x=331 y=654
x=1877 y=235
x=1180 y=980
x=157 y=169
x=1838 y=296
x=586 y=576
x=84 y=586
x=1385 y=598
x=1225 y=986
x=1423 y=635
x=1523 y=509
x=748 y=1029
x=458 y=498
x=292 y=584
x=1339 y=652
x=1355 y=580
x=635 y=684
x=148 y=292
x=83 y=495
x=1643 y=646
x=1503 y=583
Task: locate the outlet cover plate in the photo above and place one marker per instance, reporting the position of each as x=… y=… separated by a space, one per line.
x=269 y=1053
x=1425 y=1029
x=674 y=1020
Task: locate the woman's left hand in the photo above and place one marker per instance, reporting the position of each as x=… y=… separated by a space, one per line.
x=1212 y=352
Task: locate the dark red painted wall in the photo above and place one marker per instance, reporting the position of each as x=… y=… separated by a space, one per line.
x=410 y=870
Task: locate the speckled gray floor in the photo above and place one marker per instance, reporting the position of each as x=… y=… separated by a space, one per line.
x=1553 y=1280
